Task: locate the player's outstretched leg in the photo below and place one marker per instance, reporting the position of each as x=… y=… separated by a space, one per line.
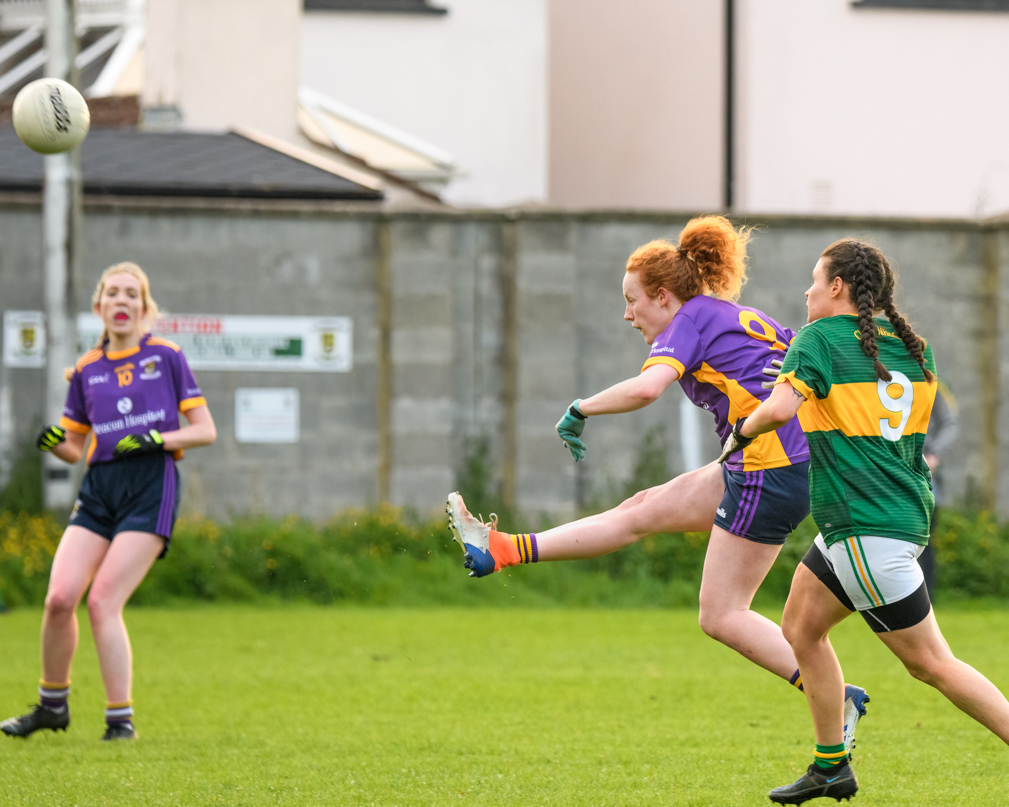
x=486 y=550
x=855 y=699
x=836 y=783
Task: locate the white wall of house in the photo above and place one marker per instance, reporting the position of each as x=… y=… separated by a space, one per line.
x=870 y=111
x=472 y=82
x=637 y=104
x=225 y=63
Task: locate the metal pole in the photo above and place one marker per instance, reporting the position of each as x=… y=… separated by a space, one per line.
x=61 y=222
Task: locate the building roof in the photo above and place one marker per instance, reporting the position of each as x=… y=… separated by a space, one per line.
x=131 y=162
x=393 y=6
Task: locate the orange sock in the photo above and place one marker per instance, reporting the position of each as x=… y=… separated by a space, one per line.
x=504 y=550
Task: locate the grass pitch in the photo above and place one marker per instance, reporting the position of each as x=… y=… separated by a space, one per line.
x=316 y=706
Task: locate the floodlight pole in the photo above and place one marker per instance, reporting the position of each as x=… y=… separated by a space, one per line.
x=61 y=226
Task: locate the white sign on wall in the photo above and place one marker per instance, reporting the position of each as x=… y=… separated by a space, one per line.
x=24 y=339
x=297 y=344
x=267 y=415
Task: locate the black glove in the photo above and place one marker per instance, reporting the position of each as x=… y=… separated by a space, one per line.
x=50 y=437
x=735 y=441
x=136 y=444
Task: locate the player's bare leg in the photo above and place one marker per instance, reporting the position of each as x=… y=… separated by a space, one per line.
x=129 y=558
x=928 y=657
x=78 y=556
x=734 y=568
x=810 y=613
x=686 y=503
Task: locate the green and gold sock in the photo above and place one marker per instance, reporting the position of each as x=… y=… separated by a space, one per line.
x=829 y=756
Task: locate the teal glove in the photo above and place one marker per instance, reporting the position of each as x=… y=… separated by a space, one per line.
x=140 y=444
x=570 y=429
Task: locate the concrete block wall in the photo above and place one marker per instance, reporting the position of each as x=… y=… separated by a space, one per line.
x=486 y=323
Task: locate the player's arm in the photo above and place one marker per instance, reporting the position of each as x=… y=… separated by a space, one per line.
x=634 y=393
x=780 y=407
x=200 y=431
x=66 y=444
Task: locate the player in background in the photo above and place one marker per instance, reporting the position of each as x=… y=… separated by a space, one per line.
x=942 y=431
x=127 y=394
x=863 y=389
x=718 y=351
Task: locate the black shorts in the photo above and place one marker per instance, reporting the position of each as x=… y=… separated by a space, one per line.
x=139 y=494
x=764 y=506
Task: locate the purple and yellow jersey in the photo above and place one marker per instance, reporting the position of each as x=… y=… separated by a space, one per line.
x=115 y=394
x=720 y=350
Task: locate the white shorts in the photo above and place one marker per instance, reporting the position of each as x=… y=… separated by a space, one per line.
x=878 y=577
x=874 y=571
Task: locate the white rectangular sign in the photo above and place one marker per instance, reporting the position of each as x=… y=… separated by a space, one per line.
x=267 y=415
x=297 y=344
x=24 y=339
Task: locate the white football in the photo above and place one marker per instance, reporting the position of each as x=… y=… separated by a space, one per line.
x=50 y=116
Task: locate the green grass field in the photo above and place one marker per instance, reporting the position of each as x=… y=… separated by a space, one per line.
x=241 y=705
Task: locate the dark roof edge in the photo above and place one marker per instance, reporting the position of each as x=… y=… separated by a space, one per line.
x=349 y=209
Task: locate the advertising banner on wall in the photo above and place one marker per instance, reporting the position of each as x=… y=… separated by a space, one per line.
x=210 y=342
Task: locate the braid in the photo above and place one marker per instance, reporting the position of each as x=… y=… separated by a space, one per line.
x=861 y=288
x=871 y=284
x=915 y=344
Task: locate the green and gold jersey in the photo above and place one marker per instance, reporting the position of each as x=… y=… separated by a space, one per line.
x=866 y=471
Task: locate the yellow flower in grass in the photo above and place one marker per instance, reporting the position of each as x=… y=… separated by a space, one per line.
x=33 y=539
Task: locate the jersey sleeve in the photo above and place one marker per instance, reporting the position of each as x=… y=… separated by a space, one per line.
x=807 y=364
x=187 y=391
x=75 y=414
x=679 y=346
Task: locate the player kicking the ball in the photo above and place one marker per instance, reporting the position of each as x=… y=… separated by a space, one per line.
x=718 y=351
x=863 y=389
x=127 y=393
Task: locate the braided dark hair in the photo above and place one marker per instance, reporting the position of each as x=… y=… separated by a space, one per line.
x=871 y=282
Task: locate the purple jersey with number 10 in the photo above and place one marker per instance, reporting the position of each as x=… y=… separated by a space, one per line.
x=720 y=350
x=115 y=394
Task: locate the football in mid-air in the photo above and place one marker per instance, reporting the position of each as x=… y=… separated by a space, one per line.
x=51 y=116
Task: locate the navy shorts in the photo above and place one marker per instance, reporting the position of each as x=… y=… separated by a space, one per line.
x=764 y=506
x=137 y=494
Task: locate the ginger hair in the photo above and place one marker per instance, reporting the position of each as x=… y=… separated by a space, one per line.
x=710 y=259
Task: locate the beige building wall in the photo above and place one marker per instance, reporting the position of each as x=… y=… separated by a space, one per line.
x=863 y=111
x=636 y=104
x=225 y=63
x=472 y=82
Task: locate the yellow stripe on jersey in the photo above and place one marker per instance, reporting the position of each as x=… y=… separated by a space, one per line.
x=856 y=410
x=74 y=426
x=157 y=340
x=799 y=386
x=764 y=452
x=89 y=358
x=652 y=361
x=191 y=403
x=116 y=355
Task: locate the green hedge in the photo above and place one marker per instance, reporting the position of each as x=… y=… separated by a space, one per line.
x=380 y=557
